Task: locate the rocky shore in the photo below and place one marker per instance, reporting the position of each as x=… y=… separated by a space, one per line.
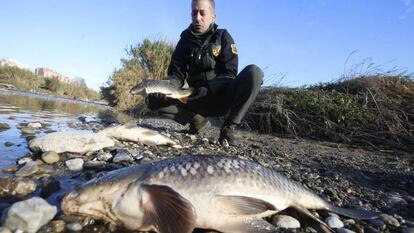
x=380 y=181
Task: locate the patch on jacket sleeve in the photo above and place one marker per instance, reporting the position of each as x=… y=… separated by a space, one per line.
x=233 y=48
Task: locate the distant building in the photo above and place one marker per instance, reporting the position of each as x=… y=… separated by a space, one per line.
x=13 y=63
x=49 y=73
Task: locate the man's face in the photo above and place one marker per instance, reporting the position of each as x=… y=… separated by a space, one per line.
x=202 y=15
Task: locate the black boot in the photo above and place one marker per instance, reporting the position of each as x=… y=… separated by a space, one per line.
x=197 y=125
x=227 y=133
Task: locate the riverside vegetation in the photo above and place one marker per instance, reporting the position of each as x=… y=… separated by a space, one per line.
x=27 y=80
x=369 y=108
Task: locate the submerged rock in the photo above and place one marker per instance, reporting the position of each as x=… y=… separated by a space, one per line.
x=29 y=215
x=80 y=142
x=28 y=130
x=28 y=169
x=4 y=126
x=11 y=186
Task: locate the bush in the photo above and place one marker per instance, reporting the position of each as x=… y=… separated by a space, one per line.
x=147 y=60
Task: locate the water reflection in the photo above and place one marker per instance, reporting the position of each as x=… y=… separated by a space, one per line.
x=17 y=107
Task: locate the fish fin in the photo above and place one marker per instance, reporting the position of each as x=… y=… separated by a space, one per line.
x=167 y=210
x=354 y=213
x=240 y=205
x=183 y=99
x=323 y=227
x=246 y=225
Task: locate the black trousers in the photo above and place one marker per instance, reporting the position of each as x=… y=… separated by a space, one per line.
x=227 y=96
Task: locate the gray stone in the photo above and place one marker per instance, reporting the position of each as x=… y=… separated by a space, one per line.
x=93 y=164
x=50 y=157
x=5 y=230
x=334 y=222
x=34 y=125
x=104 y=156
x=24 y=160
x=28 y=169
x=10 y=186
x=80 y=142
x=29 y=215
x=344 y=230
x=4 y=126
x=75 y=164
x=285 y=221
x=74 y=226
x=389 y=220
x=370 y=229
x=122 y=156
x=28 y=130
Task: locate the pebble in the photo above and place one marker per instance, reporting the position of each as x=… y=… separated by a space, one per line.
x=74 y=226
x=122 y=156
x=5 y=230
x=28 y=169
x=34 y=125
x=75 y=164
x=344 y=230
x=285 y=221
x=29 y=215
x=389 y=220
x=24 y=160
x=334 y=222
x=8 y=144
x=104 y=157
x=50 y=157
x=28 y=130
x=395 y=200
x=57 y=226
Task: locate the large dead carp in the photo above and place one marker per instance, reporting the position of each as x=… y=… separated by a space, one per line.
x=177 y=195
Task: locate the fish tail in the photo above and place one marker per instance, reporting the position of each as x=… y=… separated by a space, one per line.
x=354 y=213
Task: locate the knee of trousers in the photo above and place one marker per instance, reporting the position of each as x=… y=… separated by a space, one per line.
x=254 y=75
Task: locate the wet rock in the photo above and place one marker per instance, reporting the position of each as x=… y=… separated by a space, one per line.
x=334 y=222
x=29 y=215
x=285 y=221
x=11 y=186
x=4 y=127
x=80 y=142
x=28 y=169
x=389 y=220
x=5 y=230
x=8 y=144
x=393 y=201
x=75 y=226
x=34 y=125
x=28 y=130
x=344 y=230
x=370 y=229
x=75 y=164
x=10 y=170
x=50 y=157
x=104 y=157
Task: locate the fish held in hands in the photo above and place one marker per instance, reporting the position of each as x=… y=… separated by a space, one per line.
x=226 y=194
x=149 y=86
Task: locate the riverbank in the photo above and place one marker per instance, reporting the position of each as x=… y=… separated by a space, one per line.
x=349 y=177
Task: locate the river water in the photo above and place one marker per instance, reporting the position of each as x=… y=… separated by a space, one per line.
x=17 y=107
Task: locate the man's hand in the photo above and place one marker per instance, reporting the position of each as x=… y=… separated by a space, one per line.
x=198 y=93
x=155 y=99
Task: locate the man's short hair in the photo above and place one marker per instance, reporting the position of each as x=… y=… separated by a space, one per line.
x=212 y=4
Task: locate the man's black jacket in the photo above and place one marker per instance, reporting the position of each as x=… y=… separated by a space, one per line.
x=202 y=57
